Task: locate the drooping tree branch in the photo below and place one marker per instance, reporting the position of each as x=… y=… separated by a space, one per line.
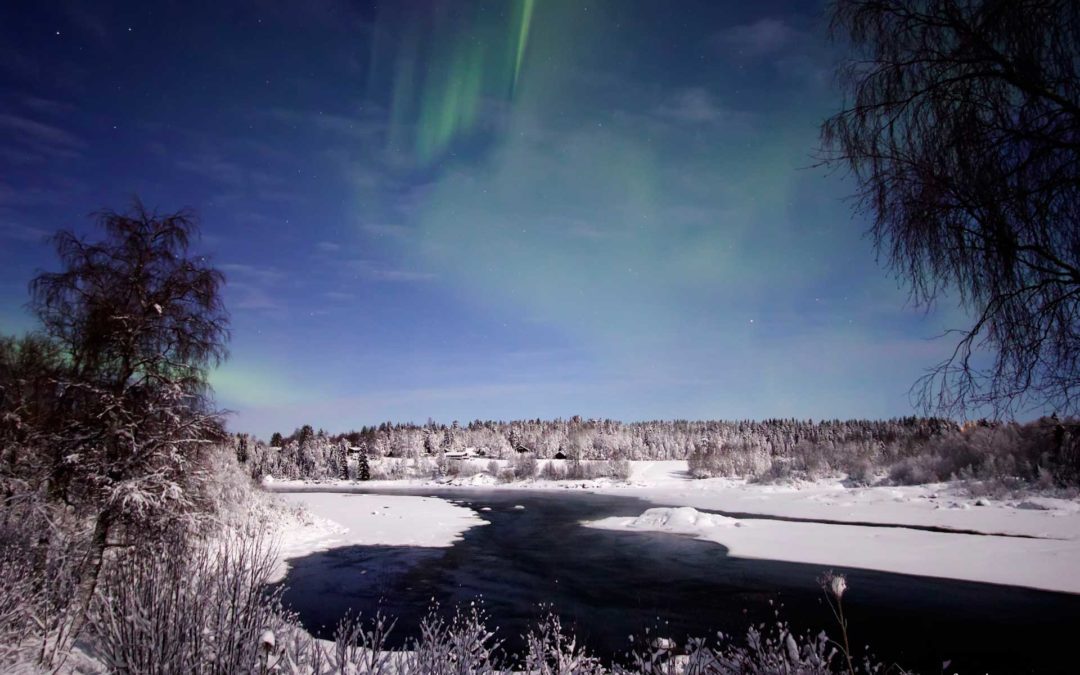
x=961 y=127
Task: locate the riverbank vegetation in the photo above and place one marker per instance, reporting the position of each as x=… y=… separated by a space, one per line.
x=193 y=605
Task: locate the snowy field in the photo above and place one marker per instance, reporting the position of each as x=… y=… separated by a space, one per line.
x=1044 y=551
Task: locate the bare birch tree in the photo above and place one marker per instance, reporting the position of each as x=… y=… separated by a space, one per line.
x=140 y=321
x=962 y=129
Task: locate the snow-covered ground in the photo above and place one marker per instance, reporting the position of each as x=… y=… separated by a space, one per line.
x=1045 y=556
x=329 y=520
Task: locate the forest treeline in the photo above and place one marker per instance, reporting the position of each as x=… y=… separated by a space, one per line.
x=901 y=450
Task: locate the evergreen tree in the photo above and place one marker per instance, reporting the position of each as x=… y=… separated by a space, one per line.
x=363 y=471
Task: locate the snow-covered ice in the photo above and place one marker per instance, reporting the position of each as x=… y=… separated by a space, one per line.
x=1034 y=563
x=331 y=519
x=1046 y=555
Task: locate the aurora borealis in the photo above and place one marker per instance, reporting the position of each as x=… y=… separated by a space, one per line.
x=465 y=209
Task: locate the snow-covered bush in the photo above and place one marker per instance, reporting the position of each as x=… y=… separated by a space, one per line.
x=619 y=469
x=393 y=469
x=462 y=468
x=464 y=645
x=180 y=606
x=861 y=472
x=577 y=469
x=35 y=616
x=554 y=470
x=998 y=458
x=525 y=465
x=16 y=599
x=552 y=650
x=737 y=460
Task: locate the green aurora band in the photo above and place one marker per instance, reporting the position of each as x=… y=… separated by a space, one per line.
x=447 y=61
x=573 y=181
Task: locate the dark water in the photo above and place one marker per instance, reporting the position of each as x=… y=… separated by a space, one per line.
x=609 y=585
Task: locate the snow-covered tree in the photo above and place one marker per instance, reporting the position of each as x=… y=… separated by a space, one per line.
x=140 y=321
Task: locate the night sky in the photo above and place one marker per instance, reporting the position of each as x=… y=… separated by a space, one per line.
x=458 y=209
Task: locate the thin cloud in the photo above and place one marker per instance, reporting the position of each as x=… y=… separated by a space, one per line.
x=39 y=130
x=694 y=105
x=253 y=287
x=374 y=271
x=760 y=38
x=262 y=274
x=386 y=230
x=360 y=127
x=23 y=232
x=25 y=140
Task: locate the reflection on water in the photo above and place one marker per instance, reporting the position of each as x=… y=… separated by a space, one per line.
x=609 y=585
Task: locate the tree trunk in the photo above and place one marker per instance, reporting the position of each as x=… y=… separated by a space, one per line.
x=91 y=570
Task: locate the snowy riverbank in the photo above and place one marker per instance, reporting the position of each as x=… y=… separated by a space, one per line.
x=879 y=528
x=328 y=520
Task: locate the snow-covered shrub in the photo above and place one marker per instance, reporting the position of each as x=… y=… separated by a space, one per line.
x=552 y=650
x=765 y=649
x=778 y=650
x=16 y=599
x=35 y=618
x=361 y=648
x=464 y=645
x=231 y=500
x=553 y=471
x=861 y=472
x=440 y=467
x=525 y=465
x=389 y=469
x=424 y=466
x=619 y=469
x=179 y=606
x=738 y=460
x=915 y=471
x=462 y=468
x=577 y=469
x=998 y=457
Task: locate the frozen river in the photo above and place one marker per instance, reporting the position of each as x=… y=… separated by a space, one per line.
x=611 y=584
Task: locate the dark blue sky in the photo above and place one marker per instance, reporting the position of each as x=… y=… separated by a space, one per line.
x=462 y=210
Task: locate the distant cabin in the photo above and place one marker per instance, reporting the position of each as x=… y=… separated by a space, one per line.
x=559 y=455
x=354 y=450
x=522 y=448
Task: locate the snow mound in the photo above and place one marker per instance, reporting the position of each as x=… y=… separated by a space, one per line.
x=683 y=519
